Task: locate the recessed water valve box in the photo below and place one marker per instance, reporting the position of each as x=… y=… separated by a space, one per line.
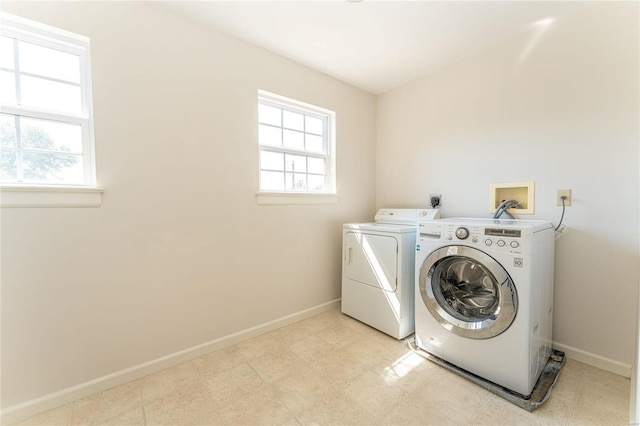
x=523 y=192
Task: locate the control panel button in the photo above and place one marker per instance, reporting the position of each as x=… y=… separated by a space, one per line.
x=501 y=243
x=514 y=244
x=488 y=242
x=474 y=239
x=462 y=233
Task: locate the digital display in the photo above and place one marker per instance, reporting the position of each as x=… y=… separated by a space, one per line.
x=497 y=232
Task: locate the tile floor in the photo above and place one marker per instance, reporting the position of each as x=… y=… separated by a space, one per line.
x=331 y=369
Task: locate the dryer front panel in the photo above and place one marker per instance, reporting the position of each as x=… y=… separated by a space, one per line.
x=371 y=259
x=468 y=292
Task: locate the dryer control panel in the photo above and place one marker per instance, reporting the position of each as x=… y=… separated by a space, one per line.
x=405 y=216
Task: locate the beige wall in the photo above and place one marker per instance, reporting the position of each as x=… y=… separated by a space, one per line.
x=558 y=106
x=179 y=253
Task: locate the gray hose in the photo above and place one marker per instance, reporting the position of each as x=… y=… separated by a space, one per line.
x=502 y=208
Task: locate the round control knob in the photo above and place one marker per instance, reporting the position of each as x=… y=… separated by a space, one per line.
x=514 y=244
x=462 y=233
x=488 y=242
x=474 y=239
x=501 y=243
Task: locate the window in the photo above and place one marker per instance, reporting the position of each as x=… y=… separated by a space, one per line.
x=46 y=131
x=297 y=151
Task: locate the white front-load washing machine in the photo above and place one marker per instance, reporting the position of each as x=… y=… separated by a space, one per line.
x=378 y=269
x=484 y=296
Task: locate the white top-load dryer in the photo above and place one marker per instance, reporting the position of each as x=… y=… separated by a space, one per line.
x=378 y=261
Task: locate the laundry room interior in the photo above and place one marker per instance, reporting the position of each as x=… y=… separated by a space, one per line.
x=181 y=261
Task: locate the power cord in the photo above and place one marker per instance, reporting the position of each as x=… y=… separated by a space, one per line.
x=564 y=197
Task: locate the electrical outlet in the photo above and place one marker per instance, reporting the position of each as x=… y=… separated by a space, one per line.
x=435 y=200
x=561 y=231
x=565 y=193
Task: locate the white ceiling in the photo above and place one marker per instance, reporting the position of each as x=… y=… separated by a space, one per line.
x=375 y=45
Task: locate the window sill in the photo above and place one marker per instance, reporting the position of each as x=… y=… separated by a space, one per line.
x=290 y=198
x=50 y=196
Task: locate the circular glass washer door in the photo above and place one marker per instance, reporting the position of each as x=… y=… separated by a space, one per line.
x=468 y=292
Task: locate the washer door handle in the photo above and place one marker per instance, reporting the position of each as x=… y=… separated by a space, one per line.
x=349 y=255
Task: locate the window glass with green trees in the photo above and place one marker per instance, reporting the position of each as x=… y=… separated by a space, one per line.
x=46 y=132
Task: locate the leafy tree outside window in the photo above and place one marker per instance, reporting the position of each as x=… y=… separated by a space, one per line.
x=40 y=163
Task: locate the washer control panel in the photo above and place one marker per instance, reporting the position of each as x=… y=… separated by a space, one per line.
x=494 y=238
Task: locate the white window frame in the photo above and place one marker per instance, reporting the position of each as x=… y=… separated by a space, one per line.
x=26 y=194
x=329 y=195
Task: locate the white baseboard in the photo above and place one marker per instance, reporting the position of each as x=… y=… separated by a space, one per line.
x=595 y=360
x=53 y=400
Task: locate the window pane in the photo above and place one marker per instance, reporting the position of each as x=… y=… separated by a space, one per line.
x=315 y=165
x=45 y=122
x=314 y=143
x=51 y=95
x=8 y=168
x=48 y=62
x=295 y=163
x=269 y=115
x=45 y=167
x=272 y=181
x=294 y=140
x=268 y=135
x=7 y=130
x=271 y=160
x=50 y=135
x=6 y=53
x=315 y=182
x=8 y=88
x=313 y=125
x=296 y=182
x=292 y=120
